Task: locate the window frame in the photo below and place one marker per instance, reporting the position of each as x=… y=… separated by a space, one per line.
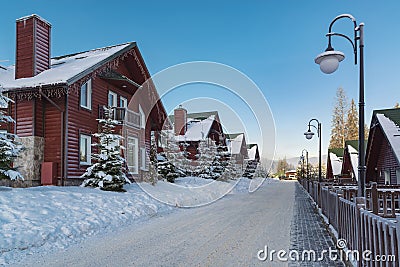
x=115 y=99
x=123 y=99
x=143 y=156
x=142 y=118
x=88 y=149
x=386 y=176
x=88 y=104
x=132 y=169
x=398 y=176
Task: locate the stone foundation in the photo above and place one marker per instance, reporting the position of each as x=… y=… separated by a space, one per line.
x=29 y=161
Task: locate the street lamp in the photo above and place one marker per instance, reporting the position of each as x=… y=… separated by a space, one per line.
x=309 y=134
x=302 y=159
x=329 y=62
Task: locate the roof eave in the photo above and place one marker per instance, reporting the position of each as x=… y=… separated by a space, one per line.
x=99 y=64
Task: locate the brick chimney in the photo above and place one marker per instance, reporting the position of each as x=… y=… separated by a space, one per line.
x=180 y=117
x=33 y=46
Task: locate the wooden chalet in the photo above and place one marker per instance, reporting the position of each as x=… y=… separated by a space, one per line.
x=237 y=147
x=252 y=161
x=253 y=152
x=350 y=161
x=383 y=148
x=334 y=163
x=57 y=102
x=192 y=128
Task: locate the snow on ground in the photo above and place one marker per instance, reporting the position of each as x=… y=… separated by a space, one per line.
x=47 y=218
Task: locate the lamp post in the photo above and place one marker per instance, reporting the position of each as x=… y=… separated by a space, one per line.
x=309 y=134
x=329 y=62
x=302 y=158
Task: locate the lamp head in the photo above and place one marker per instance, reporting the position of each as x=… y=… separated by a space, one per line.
x=328 y=61
x=309 y=134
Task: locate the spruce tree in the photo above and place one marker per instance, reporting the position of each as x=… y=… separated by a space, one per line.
x=108 y=171
x=338 y=120
x=351 y=125
x=206 y=157
x=9 y=147
x=173 y=157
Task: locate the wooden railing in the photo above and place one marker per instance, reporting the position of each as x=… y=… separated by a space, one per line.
x=131 y=118
x=362 y=222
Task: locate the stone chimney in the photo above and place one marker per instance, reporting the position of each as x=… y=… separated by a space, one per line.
x=33 y=46
x=180 y=118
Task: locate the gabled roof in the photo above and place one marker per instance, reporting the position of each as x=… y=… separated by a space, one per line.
x=353 y=143
x=252 y=152
x=336 y=163
x=235 y=144
x=197 y=130
x=233 y=136
x=393 y=114
x=337 y=151
x=65 y=70
x=249 y=146
x=392 y=133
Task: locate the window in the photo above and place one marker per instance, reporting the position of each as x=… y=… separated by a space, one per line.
x=386 y=173
x=85 y=149
x=132 y=155
x=112 y=99
x=143 y=158
x=398 y=176
x=142 y=118
x=123 y=102
x=86 y=95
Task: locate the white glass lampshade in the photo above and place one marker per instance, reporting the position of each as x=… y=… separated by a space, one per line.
x=329 y=61
x=309 y=134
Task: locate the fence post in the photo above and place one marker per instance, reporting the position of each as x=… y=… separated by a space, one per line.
x=374 y=198
x=340 y=194
x=398 y=236
x=360 y=204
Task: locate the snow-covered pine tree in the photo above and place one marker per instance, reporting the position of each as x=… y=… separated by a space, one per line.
x=206 y=159
x=172 y=154
x=9 y=147
x=108 y=170
x=351 y=125
x=338 y=120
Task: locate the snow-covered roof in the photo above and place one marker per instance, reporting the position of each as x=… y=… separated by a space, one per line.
x=197 y=130
x=336 y=163
x=392 y=132
x=252 y=152
x=235 y=144
x=64 y=70
x=354 y=160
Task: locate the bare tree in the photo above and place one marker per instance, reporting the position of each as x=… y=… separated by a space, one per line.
x=338 y=120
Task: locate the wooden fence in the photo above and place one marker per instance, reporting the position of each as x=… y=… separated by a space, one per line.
x=367 y=224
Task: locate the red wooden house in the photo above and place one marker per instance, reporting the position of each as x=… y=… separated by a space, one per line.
x=192 y=128
x=57 y=101
x=383 y=148
x=350 y=160
x=237 y=146
x=334 y=163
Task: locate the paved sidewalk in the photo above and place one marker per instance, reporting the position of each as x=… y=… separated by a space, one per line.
x=308 y=231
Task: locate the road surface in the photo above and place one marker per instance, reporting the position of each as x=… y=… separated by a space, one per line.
x=229 y=232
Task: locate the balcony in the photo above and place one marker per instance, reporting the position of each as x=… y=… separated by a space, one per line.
x=123 y=115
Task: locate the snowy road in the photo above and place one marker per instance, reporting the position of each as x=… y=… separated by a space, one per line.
x=229 y=232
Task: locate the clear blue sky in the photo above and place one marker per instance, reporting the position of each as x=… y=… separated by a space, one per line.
x=272 y=42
